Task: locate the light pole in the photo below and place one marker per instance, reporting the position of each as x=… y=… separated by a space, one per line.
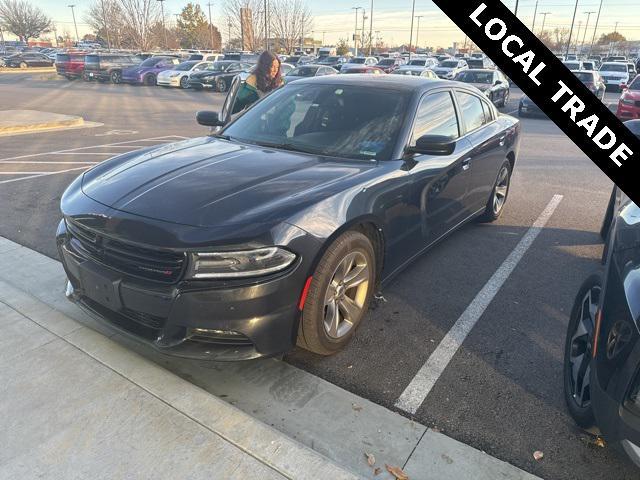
x=371 y=28
x=266 y=26
x=418 y=31
x=535 y=14
x=164 y=30
x=413 y=12
x=578 y=35
x=544 y=20
x=595 y=30
x=73 y=13
x=573 y=22
x=229 y=38
x=586 y=27
x=209 y=4
x=516 y=10
x=355 y=32
x=364 y=17
x=106 y=28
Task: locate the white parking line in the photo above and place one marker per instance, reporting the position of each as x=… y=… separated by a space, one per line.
x=36 y=162
x=512 y=112
x=42 y=174
x=418 y=389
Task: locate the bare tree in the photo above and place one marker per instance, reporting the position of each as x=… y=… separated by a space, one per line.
x=111 y=18
x=23 y=19
x=254 y=40
x=140 y=16
x=290 y=21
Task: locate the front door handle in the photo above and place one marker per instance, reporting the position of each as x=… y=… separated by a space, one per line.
x=466 y=164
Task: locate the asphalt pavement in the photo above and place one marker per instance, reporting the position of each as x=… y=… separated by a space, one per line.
x=502 y=391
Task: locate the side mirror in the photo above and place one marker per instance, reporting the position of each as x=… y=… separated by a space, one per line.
x=498 y=82
x=209 y=119
x=433 y=145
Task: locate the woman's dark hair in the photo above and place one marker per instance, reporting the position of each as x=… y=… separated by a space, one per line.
x=263 y=72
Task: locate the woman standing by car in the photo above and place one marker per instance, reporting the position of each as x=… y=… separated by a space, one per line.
x=264 y=79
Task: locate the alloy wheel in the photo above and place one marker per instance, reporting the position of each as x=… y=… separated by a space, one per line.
x=183 y=82
x=580 y=348
x=346 y=294
x=116 y=77
x=501 y=190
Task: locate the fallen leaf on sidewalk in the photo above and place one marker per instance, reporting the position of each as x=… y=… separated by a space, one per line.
x=377 y=471
x=538 y=455
x=397 y=472
x=599 y=442
x=371 y=460
x=356 y=407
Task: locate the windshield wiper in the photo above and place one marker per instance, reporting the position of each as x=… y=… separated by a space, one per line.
x=282 y=146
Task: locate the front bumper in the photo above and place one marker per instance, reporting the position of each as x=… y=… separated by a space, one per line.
x=243 y=319
x=168 y=81
x=134 y=80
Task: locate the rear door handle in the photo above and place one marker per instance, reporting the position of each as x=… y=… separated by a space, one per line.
x=466 y=164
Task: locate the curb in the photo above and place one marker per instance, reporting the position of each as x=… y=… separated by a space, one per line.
x=27 y=70
x=48 y=121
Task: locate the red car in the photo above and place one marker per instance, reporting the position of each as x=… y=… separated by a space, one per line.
x=363 y=69
x=70 y=64
x=629 y=104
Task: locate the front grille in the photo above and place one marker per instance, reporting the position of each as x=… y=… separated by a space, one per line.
x=157 y=265
x=122 y=321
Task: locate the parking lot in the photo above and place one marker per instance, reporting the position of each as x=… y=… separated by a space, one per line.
x=502 y=391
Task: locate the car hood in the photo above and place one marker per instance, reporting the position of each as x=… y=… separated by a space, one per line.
x=209 y=182
x=482 y=86
x=632 y=94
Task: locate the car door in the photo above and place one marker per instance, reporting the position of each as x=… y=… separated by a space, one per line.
x=439 y=182
x=487 y=138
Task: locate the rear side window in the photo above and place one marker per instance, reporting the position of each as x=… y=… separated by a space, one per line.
x=472 y=111
x=62 y=57
x=92 y=59
x=436 y=116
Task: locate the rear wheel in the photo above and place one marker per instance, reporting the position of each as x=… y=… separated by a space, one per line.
x=149 y=80
x=339 y=295
x=116 y=77
x=23 y=65
x=498 y=199
x=577 y=352
x=221 y=85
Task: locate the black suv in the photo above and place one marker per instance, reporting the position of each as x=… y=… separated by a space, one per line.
x=28 y=59
x=108 y=67
x=602 y=348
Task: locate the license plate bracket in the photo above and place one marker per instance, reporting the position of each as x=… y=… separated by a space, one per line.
x=100 y=286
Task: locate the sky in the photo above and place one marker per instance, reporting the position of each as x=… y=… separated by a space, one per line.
x=392 y=18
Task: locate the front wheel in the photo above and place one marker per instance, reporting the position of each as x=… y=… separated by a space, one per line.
x=577 y=352
x=116 y=77
x=184 y=81
x=339 y=296
x=221 y=85
x=498 y=199
x=149 y=80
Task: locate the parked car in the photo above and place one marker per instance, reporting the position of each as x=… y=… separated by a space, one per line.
x=413 y=71
x=147 y=72
x=632 y=71
x=429 y=62
x=360 y=62
x=218 y=75
x=297 y=60
x=29 y=59
x=179 y=75
x=448 y=69
x=350 y=69
x=615 y=58
x=70 y=64
x=479 y=63
x=602 y=347
x=490 y=82
x=574 y=66
x=307 y=71
x=390 y=64
x=629 y=103
x=108 y=67
x=615 y=74
x=571 y=57
x=335 y=62
x=590 y=65
x=527 y=108
x=282 y=225
x=206 y=57
x=593 y=81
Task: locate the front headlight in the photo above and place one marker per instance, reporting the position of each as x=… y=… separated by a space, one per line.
x=241 y=264
x=174 y=75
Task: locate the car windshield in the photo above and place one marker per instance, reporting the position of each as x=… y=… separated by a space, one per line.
x=150 y=62
x=292 y=60
x=587 y=65
x=303 y=72
x=357 y=60
x=449 y=64
x=405 y=71
x=475 y=77
x=584 y=77
x=387 y=61
x=217 y=66
x=614 y=67
x=572 y=65
x=418 y=63
x=635 y=85
x=346 y=121
x=185 y=66
x=329 y=60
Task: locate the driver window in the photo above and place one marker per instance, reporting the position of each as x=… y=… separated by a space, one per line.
x=436 y=116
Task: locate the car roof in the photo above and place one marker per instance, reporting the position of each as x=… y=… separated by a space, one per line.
x=403 y=83
x=484 y=70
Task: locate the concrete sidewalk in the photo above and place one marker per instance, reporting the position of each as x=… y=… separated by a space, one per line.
x=78 y=401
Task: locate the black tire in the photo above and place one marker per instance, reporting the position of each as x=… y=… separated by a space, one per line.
x=580 y=410
x=184 y=82
x=608 y=216
x=505 y=99
x=521 y=113
x=312 y=332
x=149 y=80
x=221 y=85
x=116 y=77
x=493 y=210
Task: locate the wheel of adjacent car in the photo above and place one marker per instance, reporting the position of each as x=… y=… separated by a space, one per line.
x=339 y=296
x=498 y=199
x=184 y=82
x=116 y=77
x=577 y=352
x=221 y=85
x=505 y=99
x=149 y=79
x=23 y=65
